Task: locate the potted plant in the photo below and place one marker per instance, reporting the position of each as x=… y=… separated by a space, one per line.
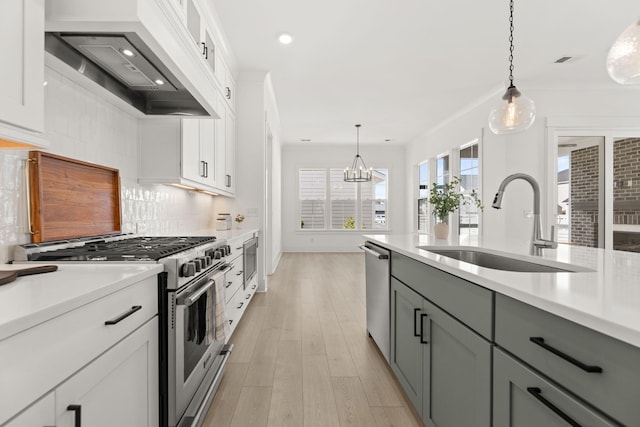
x=239 y=218
x=445 y=199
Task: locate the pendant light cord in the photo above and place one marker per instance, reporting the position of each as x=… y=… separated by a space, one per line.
x=358 y=140
x=511 y=43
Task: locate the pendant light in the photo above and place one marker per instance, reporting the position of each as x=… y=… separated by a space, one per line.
x=514 y=112
x=623 y=60
x=358 y=171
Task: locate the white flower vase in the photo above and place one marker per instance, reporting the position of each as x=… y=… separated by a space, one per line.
x=441 y=231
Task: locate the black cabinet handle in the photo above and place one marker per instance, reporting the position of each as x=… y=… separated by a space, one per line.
x=228 y=92
x=240 y=306
x=587 y=368
x=422 y=340
x=230 y=321
x=237 y=249
x=78 y=417
x=228 y=180
x=537 y=393
x=206 y=169
x=248 y=296
x=204 y=47
x=415 y=323
x=228 y=284
x=202 y=164
x=206 y=52
x=124 y=315
x=239 y=273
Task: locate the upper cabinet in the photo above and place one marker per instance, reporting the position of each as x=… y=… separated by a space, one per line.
x=22 y=73
x=188 y=152
x=202 y=31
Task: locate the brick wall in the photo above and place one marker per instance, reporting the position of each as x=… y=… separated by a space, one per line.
x=626 y=181
x=584 y=196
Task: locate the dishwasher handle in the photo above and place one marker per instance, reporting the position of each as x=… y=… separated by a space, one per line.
x=374 y=253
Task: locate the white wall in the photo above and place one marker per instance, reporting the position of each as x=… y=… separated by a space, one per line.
x=295 y=156
x=523 y=152
x=84 y=126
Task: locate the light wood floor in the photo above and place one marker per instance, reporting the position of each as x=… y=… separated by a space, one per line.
x=302 y=356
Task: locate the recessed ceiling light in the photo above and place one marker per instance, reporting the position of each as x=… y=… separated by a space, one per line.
x=285 y=38
x=388 y=140
x=159 y=82
x=305 y=140
x=127 y=52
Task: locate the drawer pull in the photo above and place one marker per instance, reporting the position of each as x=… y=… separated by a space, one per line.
x=228 y=284
x=537 y=393
x=248 y=296
x=240 y=306
x=240 y=248
x=230 y=321
x=124 y=315
x=587 y=368
x=239 y=273
x=253 y=287
x=78 y=416
x=422 y=340
x=415 y=323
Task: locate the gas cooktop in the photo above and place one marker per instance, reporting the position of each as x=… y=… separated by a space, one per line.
x=128 y=249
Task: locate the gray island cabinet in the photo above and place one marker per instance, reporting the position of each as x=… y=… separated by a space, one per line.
x=443 y=364
x=468 y=356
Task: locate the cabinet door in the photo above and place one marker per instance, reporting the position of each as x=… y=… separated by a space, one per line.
x=230 y=152
x=406 y=356
x=119 y=388
x=192 y=166
x=41 y=413
x=522 y=398
x=194 y=22
x=22 y=70
x=208 y=151
x=457 y=377
x=221 y=139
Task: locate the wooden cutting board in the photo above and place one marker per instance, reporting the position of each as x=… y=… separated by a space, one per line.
x=7 y=276
x=69 y=198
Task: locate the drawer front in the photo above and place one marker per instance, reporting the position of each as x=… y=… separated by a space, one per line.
x=566 y=351
x=237 y=306
x=522 y=398
x=234 y=278
x=38 y=359
x=466 y=301
x=236 y=247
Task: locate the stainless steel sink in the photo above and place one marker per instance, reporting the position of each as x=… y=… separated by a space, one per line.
x=502 y=262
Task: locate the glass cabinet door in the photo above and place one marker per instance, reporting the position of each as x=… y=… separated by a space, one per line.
x=626 y=194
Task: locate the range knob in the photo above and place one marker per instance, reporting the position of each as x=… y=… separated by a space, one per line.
x=188 y=269
x=218 y=254
x=198 y=264
x=208 y=261
x=209 y=253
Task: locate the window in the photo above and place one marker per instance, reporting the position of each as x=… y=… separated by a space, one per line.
x=468 y=214
x=329 y=203
x=442 y=170
x=423 y=196
x=312 y=198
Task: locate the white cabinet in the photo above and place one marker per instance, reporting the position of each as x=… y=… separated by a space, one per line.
x=22 y=71
x=39 y=414
x=226 y=150
x=184 y=152
x=101 y=358
x=198 y=150
x=120 y=388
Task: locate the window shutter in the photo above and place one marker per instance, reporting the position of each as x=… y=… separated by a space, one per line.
x=312 y=196
x=343 y=201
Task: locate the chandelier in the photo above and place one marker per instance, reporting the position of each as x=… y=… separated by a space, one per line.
x=358 y=172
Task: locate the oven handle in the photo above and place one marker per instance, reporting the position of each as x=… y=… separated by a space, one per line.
x=194 y=296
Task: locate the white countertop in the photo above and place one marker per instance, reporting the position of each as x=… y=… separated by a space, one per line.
x=30 y=300
x=606 y=299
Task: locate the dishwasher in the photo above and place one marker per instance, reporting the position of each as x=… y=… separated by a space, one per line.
x=377 y=295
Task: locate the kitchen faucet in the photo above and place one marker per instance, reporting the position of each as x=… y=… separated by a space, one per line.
x=537 y=242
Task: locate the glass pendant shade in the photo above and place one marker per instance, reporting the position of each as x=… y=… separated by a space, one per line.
x=512 y=114
x=623 y=60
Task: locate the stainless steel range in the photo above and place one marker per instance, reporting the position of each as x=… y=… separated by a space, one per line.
x=192 y=360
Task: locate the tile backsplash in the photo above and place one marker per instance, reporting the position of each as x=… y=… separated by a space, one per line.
x=84 y=126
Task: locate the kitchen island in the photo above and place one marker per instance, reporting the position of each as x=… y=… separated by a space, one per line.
x=515 y=348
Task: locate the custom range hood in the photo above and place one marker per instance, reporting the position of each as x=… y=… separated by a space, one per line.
x=138 y=50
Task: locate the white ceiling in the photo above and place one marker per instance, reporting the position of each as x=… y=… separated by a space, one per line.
x=402 y=67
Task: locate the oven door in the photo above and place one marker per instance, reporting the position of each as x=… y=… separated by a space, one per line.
x=196 y=349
